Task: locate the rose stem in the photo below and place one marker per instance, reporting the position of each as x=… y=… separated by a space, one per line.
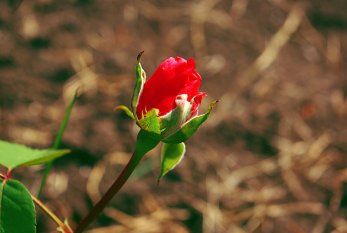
x=144 y=143
x=116 y=186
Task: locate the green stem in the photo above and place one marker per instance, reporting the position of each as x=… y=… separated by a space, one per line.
x=144 y=144
x=57 y=141
x=46 y=171
x=63 y=226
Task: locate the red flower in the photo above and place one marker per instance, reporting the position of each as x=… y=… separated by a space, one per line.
x=174 y=78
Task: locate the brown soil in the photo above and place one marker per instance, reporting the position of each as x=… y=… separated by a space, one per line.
x=273 y=155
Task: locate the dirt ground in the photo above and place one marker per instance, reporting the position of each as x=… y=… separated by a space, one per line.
x=273 y=155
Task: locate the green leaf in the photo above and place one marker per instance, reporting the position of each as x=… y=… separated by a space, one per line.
x=140 y=81
x=150 y=121
x=171 y=155
x=13 y=155
x=189 y=128
x=17 y=210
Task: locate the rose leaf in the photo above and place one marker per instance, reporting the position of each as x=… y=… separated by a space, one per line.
x=171 y=155
x=17 y=210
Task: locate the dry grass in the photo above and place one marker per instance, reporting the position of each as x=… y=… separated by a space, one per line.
x=272 y=158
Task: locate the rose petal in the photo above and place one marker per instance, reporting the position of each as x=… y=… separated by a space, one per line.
x=175 y=76
x=196 y=103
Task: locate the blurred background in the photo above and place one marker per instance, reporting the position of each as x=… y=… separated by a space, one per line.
x=272 y=157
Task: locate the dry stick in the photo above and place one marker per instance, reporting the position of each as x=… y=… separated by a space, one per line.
x=274 y=47
x=267 y=57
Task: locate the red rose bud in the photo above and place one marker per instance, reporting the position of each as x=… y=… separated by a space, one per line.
x=166 y=108
x=174 y=84
x=167 y=104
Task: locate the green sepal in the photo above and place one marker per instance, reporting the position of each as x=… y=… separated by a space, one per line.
x=171 y=156
x=150 y=121
x=174 y=120
x=13 y=155
x=146 y=141
x=189 y=128
x=126 y=110
x=140 y=81
x=17 y=210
